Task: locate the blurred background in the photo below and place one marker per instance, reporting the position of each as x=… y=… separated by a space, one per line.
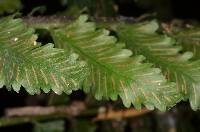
x=178 y=119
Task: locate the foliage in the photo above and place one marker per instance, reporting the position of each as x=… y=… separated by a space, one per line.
x=83 y=125
x=122 y=61
x=9 y=6
x=92 y=7
x=52 y=126
x=163 y=51
x=189 y=38
x=112 y=71
x=25 y=62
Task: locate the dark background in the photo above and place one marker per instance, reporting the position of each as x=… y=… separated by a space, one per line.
x=165 y=9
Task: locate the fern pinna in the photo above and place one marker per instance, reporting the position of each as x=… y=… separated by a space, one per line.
x=89 y=58
x=113 y=70
x=24 y=62
x=164 y=52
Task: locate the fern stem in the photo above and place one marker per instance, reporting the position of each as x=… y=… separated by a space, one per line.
x=49 y=22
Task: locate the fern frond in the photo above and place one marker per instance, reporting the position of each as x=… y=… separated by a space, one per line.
x=189 y=39
x=113 y=71
x=25 y=62
x=161 y=50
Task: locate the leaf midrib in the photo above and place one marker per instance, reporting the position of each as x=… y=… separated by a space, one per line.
x=91 y=59
x=165 y=63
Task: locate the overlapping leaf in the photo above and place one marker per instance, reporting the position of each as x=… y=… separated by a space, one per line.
x=25 y=62
x=112 y=71
x=161 y=50
x=190 y=40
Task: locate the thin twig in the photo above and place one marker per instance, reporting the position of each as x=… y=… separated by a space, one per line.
x=10 y=121
x=73 y=110
x=120 y=114
x=15 y=116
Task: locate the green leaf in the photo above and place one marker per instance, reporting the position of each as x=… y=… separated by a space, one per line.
x=9 y=6
x=51 y=126
x=25 y=62
x=161 y=50
x=189 y=39
x=93 y=7
x=113 y=71
x=82 y=126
